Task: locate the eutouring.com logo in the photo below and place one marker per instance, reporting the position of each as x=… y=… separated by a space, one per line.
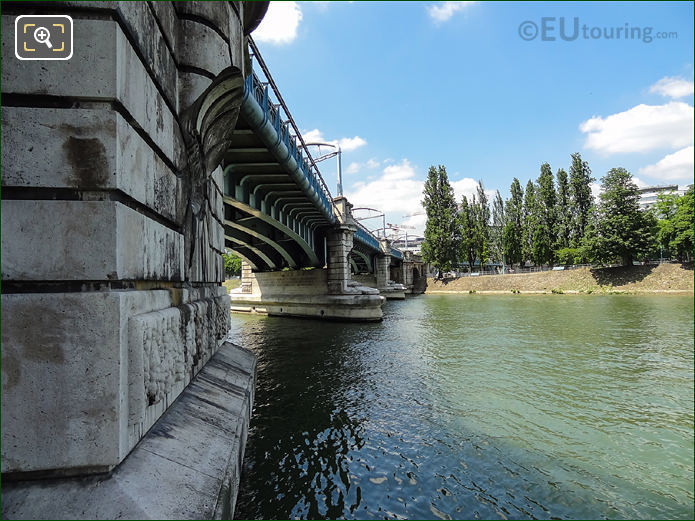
x=551 y=29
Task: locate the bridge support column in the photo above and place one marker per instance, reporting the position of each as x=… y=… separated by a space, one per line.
x=246 y=277
x=414 y=276
x=339 y=244
x=389 y=289
x=112 y=266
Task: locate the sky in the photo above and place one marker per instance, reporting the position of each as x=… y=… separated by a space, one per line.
x=490 y=90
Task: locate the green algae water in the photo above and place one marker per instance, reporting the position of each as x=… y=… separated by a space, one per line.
x=475 y=406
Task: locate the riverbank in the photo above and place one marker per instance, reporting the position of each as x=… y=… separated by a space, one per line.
x=661 y=279
x=231 y=284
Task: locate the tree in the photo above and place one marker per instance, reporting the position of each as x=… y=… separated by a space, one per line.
x=562 y=212
x=622 y=230
x=580 y=197
x=683 y=223
x=665 y=212
x=497 y=228
x=440 y=246
x=466 y=223
x=232 y=264
x=481 y=213
x=675 y=223
x=513 y=228
x=530 y=218
x=544 y=237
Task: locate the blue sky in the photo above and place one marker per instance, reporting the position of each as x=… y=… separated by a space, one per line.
x=406 y=85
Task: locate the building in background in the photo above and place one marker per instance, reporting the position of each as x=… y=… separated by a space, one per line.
x=650 y=194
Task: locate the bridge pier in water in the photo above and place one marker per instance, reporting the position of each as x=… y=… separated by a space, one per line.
x=115 y=361
x=326 y=293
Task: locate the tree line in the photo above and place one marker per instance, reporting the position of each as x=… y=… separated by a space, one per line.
x=554 y=220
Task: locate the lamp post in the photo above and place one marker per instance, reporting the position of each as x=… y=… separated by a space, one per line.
x=337 y=153
x=379 y=213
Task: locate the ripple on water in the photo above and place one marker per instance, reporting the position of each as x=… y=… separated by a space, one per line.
x=491 y=407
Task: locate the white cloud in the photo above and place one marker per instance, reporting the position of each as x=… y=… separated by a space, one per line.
x=639 y=182
x=443 y=11
x=396 y=190
x=673 y=87
x=353 y=168
x=351 y=143
x=673 y=167
x=356 y=167
x=347 y=144
x=280 y=23
x=466 y=186
x=417 y=222
x=641 y=129
x=313 y=136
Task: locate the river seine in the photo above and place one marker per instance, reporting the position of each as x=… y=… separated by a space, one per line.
x=475 y=406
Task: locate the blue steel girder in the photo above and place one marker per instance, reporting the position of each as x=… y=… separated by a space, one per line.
x=245 y=252
x=367 y=239
x=231 y=247
x=260 y=250
x=354 y=266
x=396 y=254
x=268 y=177
x=261 y=240
x=308 y=258
x=243 y=187
x=283 y=244
x=363 y=259
x=263 y=118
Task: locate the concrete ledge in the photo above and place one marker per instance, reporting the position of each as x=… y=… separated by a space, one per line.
x=393 y=293
x=348 y=308
x=186 y=467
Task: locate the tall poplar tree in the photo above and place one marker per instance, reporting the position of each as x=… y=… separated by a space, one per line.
x=513 y=227
x=466 y=223
x=563 y=213
x=544 y=237
x=580 y=197
x=497 y=228
x=482 y=223
x=530 y=215
x=440 y=246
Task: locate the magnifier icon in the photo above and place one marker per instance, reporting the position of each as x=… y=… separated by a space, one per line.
x=42 y=35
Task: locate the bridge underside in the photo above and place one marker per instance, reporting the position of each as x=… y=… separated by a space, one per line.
x=268 y=219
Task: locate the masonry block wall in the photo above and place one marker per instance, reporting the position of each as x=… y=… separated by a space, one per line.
x=382 y=272
x=105 y=315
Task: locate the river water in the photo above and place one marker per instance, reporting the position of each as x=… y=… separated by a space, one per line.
x=475 y=406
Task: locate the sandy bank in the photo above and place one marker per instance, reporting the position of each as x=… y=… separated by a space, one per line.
x=662 y=279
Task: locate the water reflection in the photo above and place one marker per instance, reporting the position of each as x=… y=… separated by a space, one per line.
x=475 y=407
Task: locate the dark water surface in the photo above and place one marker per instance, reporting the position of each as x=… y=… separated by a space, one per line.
x=475 y=406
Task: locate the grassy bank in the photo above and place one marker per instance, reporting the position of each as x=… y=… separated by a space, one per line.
x=665 y=278
x=231 y=284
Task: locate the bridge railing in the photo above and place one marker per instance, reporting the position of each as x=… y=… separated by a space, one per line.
x=398 y=254
x=282 y=124
x=366 y=237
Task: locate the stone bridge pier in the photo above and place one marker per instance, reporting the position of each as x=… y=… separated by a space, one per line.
x=327 y=293
x=387 y=287
x=414 y=273
x=114 y=320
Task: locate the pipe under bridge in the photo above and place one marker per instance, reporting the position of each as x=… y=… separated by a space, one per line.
x=280 y=217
